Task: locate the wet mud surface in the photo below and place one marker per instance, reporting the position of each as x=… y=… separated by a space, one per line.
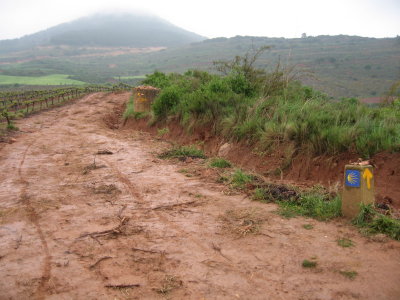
x=90 y=212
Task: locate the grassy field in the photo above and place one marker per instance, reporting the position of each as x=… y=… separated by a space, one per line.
x=55 y=79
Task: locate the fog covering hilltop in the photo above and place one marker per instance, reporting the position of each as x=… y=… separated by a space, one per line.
x=108 y=30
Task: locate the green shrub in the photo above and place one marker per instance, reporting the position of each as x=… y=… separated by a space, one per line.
x=167 y=100
x=157 y=79
x=220 y=163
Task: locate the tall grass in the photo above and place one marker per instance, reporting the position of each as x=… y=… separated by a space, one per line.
x=270 y=110
x=129 y=110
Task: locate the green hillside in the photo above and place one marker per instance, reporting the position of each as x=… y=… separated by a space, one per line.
x=101 y=49
x=341 y=66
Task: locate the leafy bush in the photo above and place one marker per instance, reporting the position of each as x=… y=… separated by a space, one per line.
x=166 y=102
x=157 y=79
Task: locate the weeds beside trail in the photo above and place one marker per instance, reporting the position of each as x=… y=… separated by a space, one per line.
x=316 y=202
x=371 y=221
x=271 y=108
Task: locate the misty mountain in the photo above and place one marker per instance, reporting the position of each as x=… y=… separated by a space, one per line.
x=108 y=30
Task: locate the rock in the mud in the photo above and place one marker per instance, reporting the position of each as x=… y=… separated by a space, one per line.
x=224 y=149
x=11 y=140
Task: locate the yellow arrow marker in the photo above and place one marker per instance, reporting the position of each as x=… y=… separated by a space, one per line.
x=367 y=175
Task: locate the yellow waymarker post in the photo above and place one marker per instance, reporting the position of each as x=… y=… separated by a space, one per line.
x=144 y=96
x=358 y=188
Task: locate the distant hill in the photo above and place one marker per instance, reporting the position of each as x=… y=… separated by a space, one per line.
x=107 y=30
x=341 y=66
x=106 y=48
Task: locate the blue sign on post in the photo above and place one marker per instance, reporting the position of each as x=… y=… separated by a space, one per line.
x=353 y=178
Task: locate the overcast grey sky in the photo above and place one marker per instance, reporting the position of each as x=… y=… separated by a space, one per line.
x=213 y=18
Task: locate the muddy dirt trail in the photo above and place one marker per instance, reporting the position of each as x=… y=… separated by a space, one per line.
x=127 y=225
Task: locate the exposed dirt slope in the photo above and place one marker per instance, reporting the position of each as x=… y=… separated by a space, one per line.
x=302 y=169
x=130 y=226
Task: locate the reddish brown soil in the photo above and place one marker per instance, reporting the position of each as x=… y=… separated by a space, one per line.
x=75 y=225
x=303 y=169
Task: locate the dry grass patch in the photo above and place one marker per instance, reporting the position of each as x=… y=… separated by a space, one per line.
x=169 y=283
x=108 y=189
x=243 y=221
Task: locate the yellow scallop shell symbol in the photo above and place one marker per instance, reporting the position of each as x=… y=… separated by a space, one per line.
x=352 y=178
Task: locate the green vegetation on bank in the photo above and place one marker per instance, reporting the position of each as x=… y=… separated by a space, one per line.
x=221 y=163
x=371 y=221
x=312 y=205
x=316 y=202
x=55 y=79
x=269 y=109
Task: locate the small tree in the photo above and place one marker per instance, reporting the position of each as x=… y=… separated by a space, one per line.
x=251 y=80
x=8 y=116
x=243 y=72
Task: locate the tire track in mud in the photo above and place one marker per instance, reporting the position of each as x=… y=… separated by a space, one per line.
x=125 y=181
x=211 y=253
x=34 y=219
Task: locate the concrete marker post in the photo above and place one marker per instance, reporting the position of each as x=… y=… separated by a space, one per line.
x=143 y=97
x=359 y=187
